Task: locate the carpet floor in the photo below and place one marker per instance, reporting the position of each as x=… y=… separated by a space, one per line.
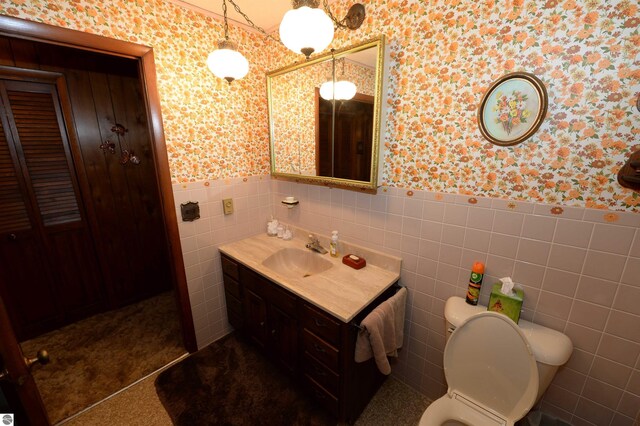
x=230 y=383
x=93 y=358
x=395 y=404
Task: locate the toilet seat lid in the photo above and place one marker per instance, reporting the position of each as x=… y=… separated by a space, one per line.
x=489 y=361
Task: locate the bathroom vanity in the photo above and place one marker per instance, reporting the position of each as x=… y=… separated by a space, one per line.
x=306 y=322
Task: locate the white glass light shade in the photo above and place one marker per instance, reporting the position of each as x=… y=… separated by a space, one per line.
x=226 y=62
x=343 y=90
x=306 y=30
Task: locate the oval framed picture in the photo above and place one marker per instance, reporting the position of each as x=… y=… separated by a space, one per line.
x=512 y=109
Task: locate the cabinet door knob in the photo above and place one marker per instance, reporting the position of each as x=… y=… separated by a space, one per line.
x=13 y=237
x=319 y=323
x=318 y=348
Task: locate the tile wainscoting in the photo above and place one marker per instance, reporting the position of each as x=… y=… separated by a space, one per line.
x=580 y=269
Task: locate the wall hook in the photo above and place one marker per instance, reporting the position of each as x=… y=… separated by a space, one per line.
x=108 y=146
x=119 y=129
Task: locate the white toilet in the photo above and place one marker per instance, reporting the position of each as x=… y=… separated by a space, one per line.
x=496 y=369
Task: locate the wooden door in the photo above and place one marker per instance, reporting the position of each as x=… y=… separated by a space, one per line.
x=255 y=311
x=344 y=137
x=50 y=273
x=353 y=135
x=283 y=329
x=16 y=382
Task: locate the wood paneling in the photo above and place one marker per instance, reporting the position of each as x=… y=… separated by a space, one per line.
x=127 y=231
x=29 y=401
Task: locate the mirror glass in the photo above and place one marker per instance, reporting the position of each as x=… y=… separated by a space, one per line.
x=329 y=141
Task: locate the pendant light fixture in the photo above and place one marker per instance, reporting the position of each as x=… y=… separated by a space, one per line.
x=304 y=29
x=307 y=29
x=226 y=62
x=341 y=90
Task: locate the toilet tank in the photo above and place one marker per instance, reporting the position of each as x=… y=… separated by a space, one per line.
x=550 y=347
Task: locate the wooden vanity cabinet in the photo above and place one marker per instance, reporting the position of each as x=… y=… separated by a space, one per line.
x=263 y=311
x=307 y=342
x=270 y=318
x=232 y=292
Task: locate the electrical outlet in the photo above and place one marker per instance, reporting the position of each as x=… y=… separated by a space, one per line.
x=227 y=205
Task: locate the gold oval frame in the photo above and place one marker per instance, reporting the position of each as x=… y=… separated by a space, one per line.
x=541 y=91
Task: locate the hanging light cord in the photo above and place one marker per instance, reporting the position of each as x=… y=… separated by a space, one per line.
x=226 y=25
x=246 y=18
x=340 y=24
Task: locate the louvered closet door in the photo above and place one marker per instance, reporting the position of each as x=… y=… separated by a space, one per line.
x=47 y=249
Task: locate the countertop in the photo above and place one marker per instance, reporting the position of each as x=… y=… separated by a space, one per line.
x=341 y=290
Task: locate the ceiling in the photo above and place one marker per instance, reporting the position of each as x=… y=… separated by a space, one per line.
x=266 y=14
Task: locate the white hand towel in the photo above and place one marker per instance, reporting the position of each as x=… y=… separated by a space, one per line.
x=382 y=332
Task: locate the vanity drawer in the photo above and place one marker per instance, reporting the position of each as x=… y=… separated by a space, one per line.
x=255 y=282
x=321 y=374
x=283 y=299
x=321 y=324
x=232 y=287
x=321 y=350
x=230 y=267
x=323 y=396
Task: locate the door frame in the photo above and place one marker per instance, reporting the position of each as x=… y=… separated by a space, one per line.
x=23 y=29
x=23 y=393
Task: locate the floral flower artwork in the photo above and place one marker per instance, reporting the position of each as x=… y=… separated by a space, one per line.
x=512 y=109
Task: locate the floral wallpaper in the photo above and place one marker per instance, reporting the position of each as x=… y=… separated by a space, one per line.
x=293 y=114
x=293 y=110
x=213 y=129
x=444 y=55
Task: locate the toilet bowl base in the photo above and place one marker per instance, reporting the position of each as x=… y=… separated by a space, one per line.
x=456 y=410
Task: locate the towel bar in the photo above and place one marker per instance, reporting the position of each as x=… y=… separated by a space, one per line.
x=396 y=287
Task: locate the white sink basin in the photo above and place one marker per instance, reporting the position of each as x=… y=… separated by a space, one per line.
x=296 y=263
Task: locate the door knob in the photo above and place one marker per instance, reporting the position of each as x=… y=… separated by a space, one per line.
x=13 y=237
x=42 y=357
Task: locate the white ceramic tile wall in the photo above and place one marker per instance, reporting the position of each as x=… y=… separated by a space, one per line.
x=200 y=240
x=580 y=270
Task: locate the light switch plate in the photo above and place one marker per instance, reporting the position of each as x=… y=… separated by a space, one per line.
x=227 y=205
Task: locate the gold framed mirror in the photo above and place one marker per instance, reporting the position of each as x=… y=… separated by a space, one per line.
x=317 y=135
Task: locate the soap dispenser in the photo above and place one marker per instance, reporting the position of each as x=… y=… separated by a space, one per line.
x=333 y=245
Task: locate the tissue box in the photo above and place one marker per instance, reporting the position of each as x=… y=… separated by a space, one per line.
x=507 y=305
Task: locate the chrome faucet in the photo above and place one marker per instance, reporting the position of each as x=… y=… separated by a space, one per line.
x=314 y=245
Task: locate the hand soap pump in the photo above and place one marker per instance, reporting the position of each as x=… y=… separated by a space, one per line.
x=333 y=245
